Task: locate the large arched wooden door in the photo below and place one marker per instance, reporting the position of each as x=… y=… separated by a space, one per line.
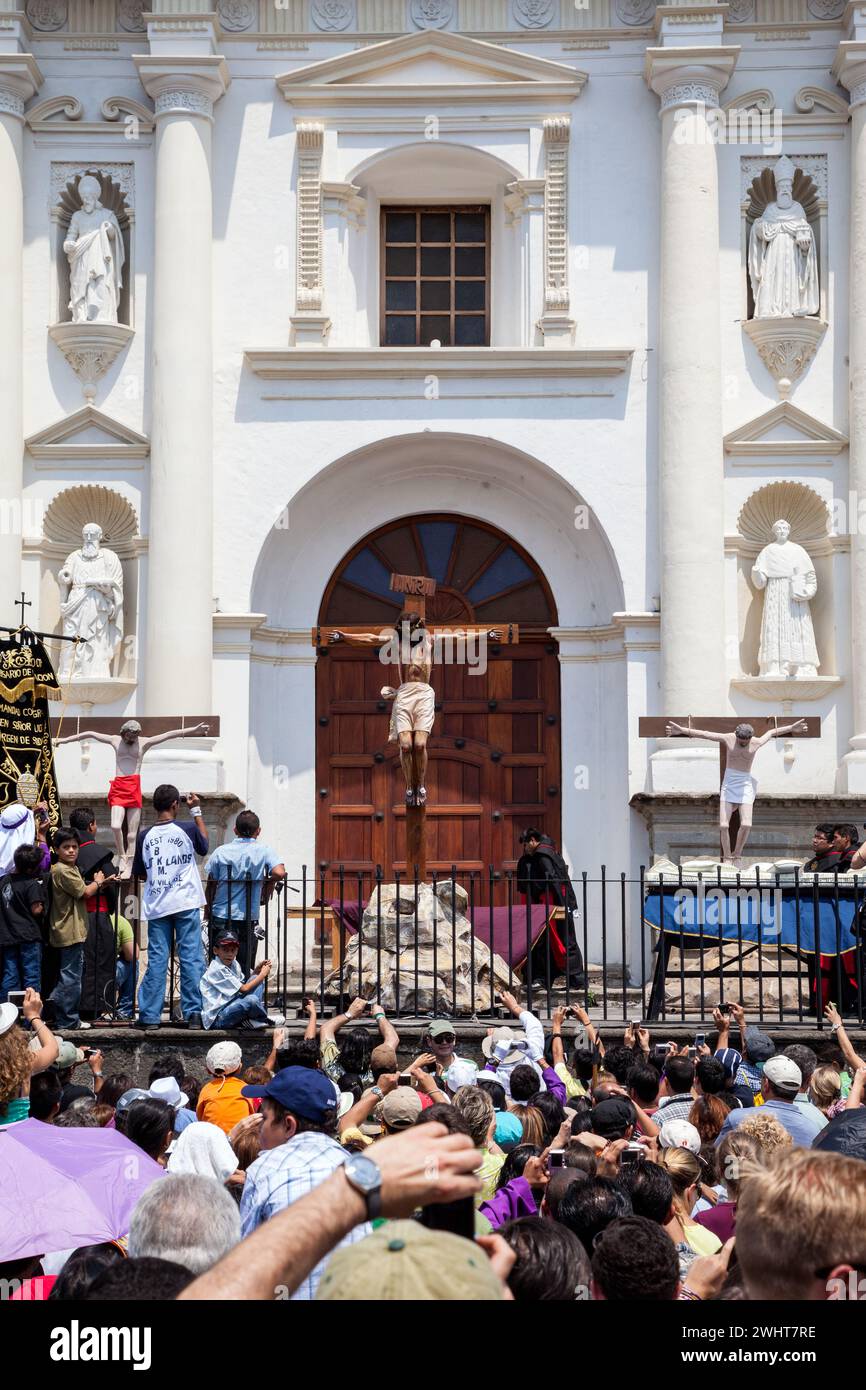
x=495 y=749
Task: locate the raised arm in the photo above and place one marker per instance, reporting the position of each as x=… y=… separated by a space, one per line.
x=674 y=730
x=798 y=727
x=190 y=732
x=831 y=1013
x=363 y=639
x=88 y=734
x=386 y=1028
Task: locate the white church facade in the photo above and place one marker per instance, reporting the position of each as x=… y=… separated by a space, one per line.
x=457 y=288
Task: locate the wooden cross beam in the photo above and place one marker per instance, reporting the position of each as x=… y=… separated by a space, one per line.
x=655 y=726
x=415 y=589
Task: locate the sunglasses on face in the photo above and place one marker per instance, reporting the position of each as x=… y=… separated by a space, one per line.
x=445 y=1039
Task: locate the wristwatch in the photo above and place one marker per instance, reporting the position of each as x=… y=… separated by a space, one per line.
x=377 y=1091
x=364 y=1175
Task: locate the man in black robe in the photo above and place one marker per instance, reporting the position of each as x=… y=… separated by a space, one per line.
x=543 y=877
x=98 y=986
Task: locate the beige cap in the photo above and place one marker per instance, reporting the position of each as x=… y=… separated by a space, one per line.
x=404 y=1261
x=400 y=1108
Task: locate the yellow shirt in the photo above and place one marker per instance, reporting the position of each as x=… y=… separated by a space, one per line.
x=489 y=1175
x=573 y=1087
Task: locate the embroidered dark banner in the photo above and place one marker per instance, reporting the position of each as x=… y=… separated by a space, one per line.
x=27 y=681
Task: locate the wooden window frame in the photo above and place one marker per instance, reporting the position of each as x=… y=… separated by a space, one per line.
x=453 y=209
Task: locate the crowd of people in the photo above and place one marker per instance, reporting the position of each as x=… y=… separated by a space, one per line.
x=552 y=1168
x=63 y=933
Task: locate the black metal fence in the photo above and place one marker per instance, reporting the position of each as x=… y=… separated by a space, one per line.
x=782 y=943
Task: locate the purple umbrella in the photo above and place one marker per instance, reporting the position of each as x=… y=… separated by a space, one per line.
x=61 y=1188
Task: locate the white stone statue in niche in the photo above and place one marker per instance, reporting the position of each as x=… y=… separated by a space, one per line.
x=91 y=608
x=783 y=266
x=786 y=572
x=94 y=247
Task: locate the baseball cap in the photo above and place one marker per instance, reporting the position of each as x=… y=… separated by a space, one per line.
x=680 y=1134
x=760 y=1045
x=133 y=1094
x=404 y=1261
x=730 y=1059
x=223 y=1057
x=383 y=1058
x=611 y=1118
x=400 y=1108
x=461 y=1073
x=301 y=1090
x=8 y=1017
x=227 y=934
x=784 y=1074
x=68 y=1055
x=509 y=1130
x=440 y=1027
x=166 y=1088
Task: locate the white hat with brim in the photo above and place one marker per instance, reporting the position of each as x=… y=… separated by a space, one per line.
x=8 y=1017
x=516 y=1054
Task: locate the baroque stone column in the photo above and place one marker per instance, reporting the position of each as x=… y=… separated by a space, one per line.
x=691 y=475
x=19 y=79
x=850 y=69
x=177 y=661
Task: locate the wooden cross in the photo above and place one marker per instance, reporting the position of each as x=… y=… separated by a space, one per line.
x=416 y=589
x=656 y=727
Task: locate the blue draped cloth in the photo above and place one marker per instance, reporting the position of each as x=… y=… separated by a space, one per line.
x=769 y=916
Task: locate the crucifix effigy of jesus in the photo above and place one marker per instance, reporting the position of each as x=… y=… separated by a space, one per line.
x=413 y=648
x=739 y=742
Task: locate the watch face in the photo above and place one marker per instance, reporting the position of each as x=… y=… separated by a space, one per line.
x=363 y=1172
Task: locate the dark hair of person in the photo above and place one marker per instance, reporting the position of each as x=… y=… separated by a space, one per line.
x=149 y=1124
x=618 y=1062
x=583 y=1060
x=350 y=1081
x=164 y=797
x=444 y=1114
x=582 y=1122
x=302 y=1124
x=709 y=1157
x=711 y=1074
x=191 y=1087
x=644 y=1081
x=134 y=1281
x=46 y=1089
x=81 y=820
x=680 y=1073
x=515 y=1161
x=552 y=1110
x=355 y=1051
x=650 y=1189
x=551 y=1266
x=494 y=1089
x=849 y=831
x=62 y=835
x=299 y=1052
x=804 y=1058
x=580 y=1159
x=708 y=1114
x=826 y=829
x=246 y=824
x=28 y=861
x=81 y=1118
x=167 y=1064
x=83 y=1266
x=523 y=1082
x=589 y=1207
x=113 y=1087
x=635 y=1260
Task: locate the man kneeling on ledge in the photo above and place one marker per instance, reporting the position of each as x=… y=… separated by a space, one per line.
x=229 y=1001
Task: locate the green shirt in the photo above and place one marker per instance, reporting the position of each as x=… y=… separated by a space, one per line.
x=123 y=933
x=68 y=908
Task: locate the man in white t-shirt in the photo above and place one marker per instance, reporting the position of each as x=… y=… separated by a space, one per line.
x=171 y=903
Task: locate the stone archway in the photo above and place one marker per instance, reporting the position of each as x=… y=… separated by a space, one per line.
x=495 y=749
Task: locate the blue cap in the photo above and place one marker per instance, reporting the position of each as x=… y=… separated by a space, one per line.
x=299 y=1089
x=509 y=1130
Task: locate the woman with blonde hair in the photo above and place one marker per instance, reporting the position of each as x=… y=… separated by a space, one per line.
x=737 y=1153
x=685 y=1171
x=769 y=1133
x=533 y=1126
x=825 y=1088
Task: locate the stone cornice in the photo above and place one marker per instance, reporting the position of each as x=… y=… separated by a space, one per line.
x=699 y=71
x=20 y=79
x=182 y=83
x=287 y=364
